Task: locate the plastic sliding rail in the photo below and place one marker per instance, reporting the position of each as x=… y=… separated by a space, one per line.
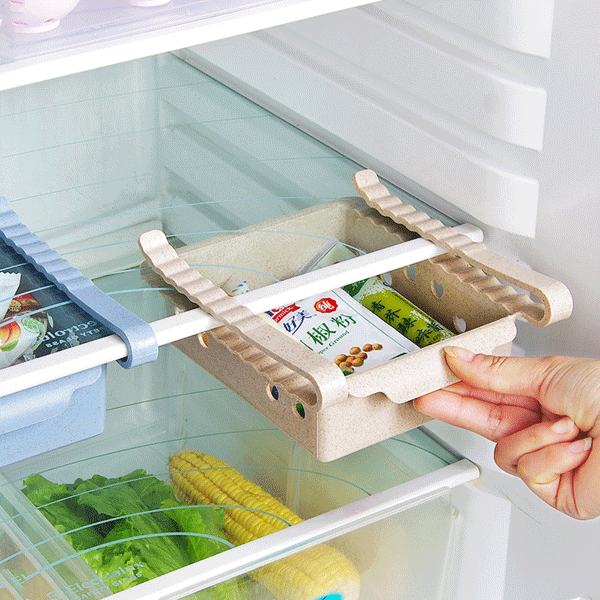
x=138 y=335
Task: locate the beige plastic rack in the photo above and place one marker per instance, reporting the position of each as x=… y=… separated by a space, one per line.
x=468 y=288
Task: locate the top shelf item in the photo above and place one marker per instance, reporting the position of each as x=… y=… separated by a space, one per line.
x=44 y=39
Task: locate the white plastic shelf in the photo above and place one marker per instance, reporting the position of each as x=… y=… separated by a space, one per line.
x=105 y=32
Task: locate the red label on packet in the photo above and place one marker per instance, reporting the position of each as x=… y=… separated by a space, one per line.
x=278 y=314
x=326 y=305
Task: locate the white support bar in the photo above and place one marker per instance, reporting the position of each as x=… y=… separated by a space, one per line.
x=170 y=329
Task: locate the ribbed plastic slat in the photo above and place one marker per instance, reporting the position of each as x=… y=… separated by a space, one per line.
x=138 y=335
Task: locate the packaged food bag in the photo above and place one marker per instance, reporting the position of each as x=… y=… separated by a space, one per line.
x=398 y=312
x=383 y=300
x=359 y=326
x=37 y=317
x=336 y=326
x=17 y=336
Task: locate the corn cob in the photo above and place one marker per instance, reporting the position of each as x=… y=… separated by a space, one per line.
x=308 y=575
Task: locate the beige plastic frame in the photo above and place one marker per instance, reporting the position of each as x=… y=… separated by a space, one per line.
x=465 y=289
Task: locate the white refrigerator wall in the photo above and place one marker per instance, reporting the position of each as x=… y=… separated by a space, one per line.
x=489 y=111
x=508 y=134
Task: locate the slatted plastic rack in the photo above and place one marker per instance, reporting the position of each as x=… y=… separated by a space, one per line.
x=481 y=289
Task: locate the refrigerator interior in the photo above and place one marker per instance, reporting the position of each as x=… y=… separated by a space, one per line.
x=122 y=155
x=479 y=94
x=90 y=162
x=486 y=111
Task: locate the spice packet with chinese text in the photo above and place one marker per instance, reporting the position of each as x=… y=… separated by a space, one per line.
x=334 y=325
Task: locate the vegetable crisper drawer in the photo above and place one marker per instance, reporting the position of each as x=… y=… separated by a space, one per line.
x=154 y=505
x=333 y=411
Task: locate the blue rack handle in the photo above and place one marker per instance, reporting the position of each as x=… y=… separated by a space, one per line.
x=139 y=337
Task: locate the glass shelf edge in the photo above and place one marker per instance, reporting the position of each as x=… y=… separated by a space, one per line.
x=24 y=71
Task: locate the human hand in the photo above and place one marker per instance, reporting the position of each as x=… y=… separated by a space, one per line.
x=544 y=415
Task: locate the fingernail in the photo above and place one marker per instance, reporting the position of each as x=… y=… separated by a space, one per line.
x=562 y=425
x=459 y=353
x=579 y=446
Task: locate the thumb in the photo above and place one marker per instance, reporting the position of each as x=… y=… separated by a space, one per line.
x=502 y=374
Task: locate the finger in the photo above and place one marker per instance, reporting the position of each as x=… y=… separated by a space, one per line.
x=552 y=380
x=520 y=376
x=510 y=449
x=586 y=491
x=542 y=470
x=464 y=389
x=491 y=420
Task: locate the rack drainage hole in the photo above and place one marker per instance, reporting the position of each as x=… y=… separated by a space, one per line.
x=273 y=392
x=410 y=272
x=460 y=324
x=302 y=414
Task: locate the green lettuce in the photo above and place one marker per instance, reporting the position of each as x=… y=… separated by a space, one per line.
x=205 y=523
x=132 y=528
x=56 y=502
x=148 y=539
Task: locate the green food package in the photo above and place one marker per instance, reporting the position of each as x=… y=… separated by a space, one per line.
x=393 y=308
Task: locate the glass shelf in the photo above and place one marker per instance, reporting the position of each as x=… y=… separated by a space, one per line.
x=153 y=143
x=43 y=39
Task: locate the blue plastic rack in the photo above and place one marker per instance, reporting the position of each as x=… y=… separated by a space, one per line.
x=73 y=407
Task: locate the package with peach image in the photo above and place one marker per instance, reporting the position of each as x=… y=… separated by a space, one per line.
x=17 y=333
x=17 y=336
x=36 y=317
x=23 y=330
